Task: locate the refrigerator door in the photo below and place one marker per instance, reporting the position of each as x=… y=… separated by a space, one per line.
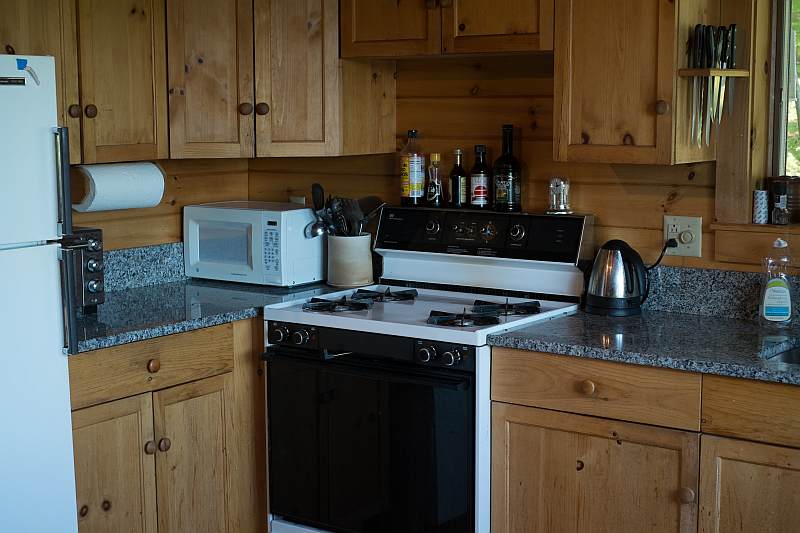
x=37 y=480
x=29 y=175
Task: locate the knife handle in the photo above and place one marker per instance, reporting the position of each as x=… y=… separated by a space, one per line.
x=719 y=38
x=697 y=59
x=732 y=46
x=708 y=37
x=724 y=53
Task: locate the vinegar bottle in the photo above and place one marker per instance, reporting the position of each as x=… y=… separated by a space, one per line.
x=412 y=172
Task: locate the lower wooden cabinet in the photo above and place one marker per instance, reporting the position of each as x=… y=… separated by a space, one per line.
x=115 y=466
x=562 y=473
x=749 y=487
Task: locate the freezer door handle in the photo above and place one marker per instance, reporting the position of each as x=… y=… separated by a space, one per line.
x=62 y=176
x=70 y=300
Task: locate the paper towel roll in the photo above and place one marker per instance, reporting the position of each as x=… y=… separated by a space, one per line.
x=120 y=186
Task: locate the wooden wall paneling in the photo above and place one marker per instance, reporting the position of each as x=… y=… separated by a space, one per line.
x=734 y=164
x=210 y=46
x=123 y=74
x=187 y=182
x=47 y=27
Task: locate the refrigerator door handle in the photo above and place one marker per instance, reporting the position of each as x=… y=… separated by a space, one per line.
x=63 y=181
x=70 y=300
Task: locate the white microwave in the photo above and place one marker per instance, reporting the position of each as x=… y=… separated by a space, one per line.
x=251 y=242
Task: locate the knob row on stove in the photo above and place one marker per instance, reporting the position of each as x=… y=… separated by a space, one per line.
x=429 y=354
x=283 y=335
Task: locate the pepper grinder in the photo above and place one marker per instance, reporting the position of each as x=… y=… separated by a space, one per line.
x=559 y=196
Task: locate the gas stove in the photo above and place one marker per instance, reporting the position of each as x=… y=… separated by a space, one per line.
x=391 y=381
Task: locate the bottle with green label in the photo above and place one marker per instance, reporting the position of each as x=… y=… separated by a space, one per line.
x=777 y=294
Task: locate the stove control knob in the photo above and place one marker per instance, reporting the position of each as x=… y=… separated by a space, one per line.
x=280 y=334
x=94 y=245
x=488 y=232
x=94 y=286
x=517 y=232
x=451 y=358
x=93 y=265
x=432 y=227
x=300 y=337
x=426 y=354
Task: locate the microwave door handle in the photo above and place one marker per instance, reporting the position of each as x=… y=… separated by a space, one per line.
x=63 y=181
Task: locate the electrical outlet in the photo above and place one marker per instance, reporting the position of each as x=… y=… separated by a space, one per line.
x=688 y=231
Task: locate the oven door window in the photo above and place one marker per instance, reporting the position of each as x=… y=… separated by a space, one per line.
x=358 y=449
x=225 y=242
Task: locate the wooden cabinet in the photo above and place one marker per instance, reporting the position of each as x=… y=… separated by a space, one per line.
x=432 y=27
x=314 y=103
x=47 y=27
x=746 y=486
x=188 y=457
x=194 y=426
x=211 y=107
x=617 y=93
x=563 y=473
x=123 y=80
x=115 y=466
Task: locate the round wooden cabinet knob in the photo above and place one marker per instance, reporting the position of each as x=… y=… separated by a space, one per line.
x=153 y=366
x=84 y=510
x=74 y=111
x=262 y=108
x=462 y=27
x=90 y=111
x=150 y=447
x=687 y=495
x=164 y=444
x=588 y=387
x=106 y=505
x=245 y=108
x=662 y=107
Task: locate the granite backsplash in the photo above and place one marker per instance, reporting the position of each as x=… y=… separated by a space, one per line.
x=139 y=267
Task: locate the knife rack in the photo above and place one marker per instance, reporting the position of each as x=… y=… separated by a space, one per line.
x=713 y=72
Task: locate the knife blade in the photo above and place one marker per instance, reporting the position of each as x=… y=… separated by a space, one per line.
x=710 y=82
x=699 y=62
x=696 y=61
x=731 y=64
x=722 y=44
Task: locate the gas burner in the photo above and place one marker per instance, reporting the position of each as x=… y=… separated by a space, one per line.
x=336 y=306
x=507 y=309
x=363 y=295
x=462 y=320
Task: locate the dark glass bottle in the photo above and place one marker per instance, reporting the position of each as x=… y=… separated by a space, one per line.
x=458 y=182
x=507 y=182
x=479 y=180
x=435 y=194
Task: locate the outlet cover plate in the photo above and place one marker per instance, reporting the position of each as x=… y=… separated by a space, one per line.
x=688 y=231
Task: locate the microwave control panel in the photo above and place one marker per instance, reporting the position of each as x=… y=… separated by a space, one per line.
x=272 y=251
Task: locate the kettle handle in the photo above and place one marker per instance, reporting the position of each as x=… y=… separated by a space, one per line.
x=630 y=256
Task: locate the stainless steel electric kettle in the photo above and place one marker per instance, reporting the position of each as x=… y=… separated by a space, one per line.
x=618 y=284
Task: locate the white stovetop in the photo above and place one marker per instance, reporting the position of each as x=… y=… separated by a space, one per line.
x=408 y=318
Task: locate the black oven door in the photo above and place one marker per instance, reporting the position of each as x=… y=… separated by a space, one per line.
x=360 y=445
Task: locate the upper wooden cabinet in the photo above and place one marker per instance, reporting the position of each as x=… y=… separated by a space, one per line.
x=47 y=27
x=617 y=95
x=432 y=27
x=123 y=80
x=315 y=104
x=746 y=486
x=562 y=473
x=211 y=107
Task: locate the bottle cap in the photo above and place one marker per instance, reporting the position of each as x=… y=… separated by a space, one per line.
x=480 y=148
x=412 y=134
x=436 y=157
x=457 y=151
x=780 y=243
x=508 y=127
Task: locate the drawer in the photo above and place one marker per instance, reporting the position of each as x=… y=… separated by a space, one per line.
x=599 y=388
x=754 y=410
x=120 y=371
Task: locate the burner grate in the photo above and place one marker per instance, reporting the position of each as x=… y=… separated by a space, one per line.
x=462 y=320
x=386 y=296
x=322 y=305
x=507 y=309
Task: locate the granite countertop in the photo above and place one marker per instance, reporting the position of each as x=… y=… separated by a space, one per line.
x=709 y=345
x=140 y=313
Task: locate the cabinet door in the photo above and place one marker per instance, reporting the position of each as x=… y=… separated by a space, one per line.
x=614 y=62
x=745 y=486
x=194 y=431
x=560 y=473
x=123 y=80
x=115 y=466
x=47 y=27
x=391 y=29
x=296 y=77
x=491 y=26
x=211 y=106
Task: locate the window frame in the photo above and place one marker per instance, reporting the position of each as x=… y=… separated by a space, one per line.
x=781 y=56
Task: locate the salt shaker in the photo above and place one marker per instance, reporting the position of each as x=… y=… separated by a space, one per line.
x=559 y=196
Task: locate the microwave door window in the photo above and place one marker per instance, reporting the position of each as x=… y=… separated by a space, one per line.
x=226 y=243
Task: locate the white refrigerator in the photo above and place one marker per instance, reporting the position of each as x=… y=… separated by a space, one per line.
x=37 y=479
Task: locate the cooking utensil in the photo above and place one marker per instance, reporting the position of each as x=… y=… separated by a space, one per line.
x=696 y=61
x=731 y=63
x=369 y=216
x=710 y=54
x=318 y=197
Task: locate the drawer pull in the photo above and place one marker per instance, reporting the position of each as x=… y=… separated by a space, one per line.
x=150 y=447
x=588 y=387
x=164 y=444
x=262 y=108
x=662 y=107
x=687 y=495
x=74 y=111
x=90 y=111
x=153 y=366
x=245 y=108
